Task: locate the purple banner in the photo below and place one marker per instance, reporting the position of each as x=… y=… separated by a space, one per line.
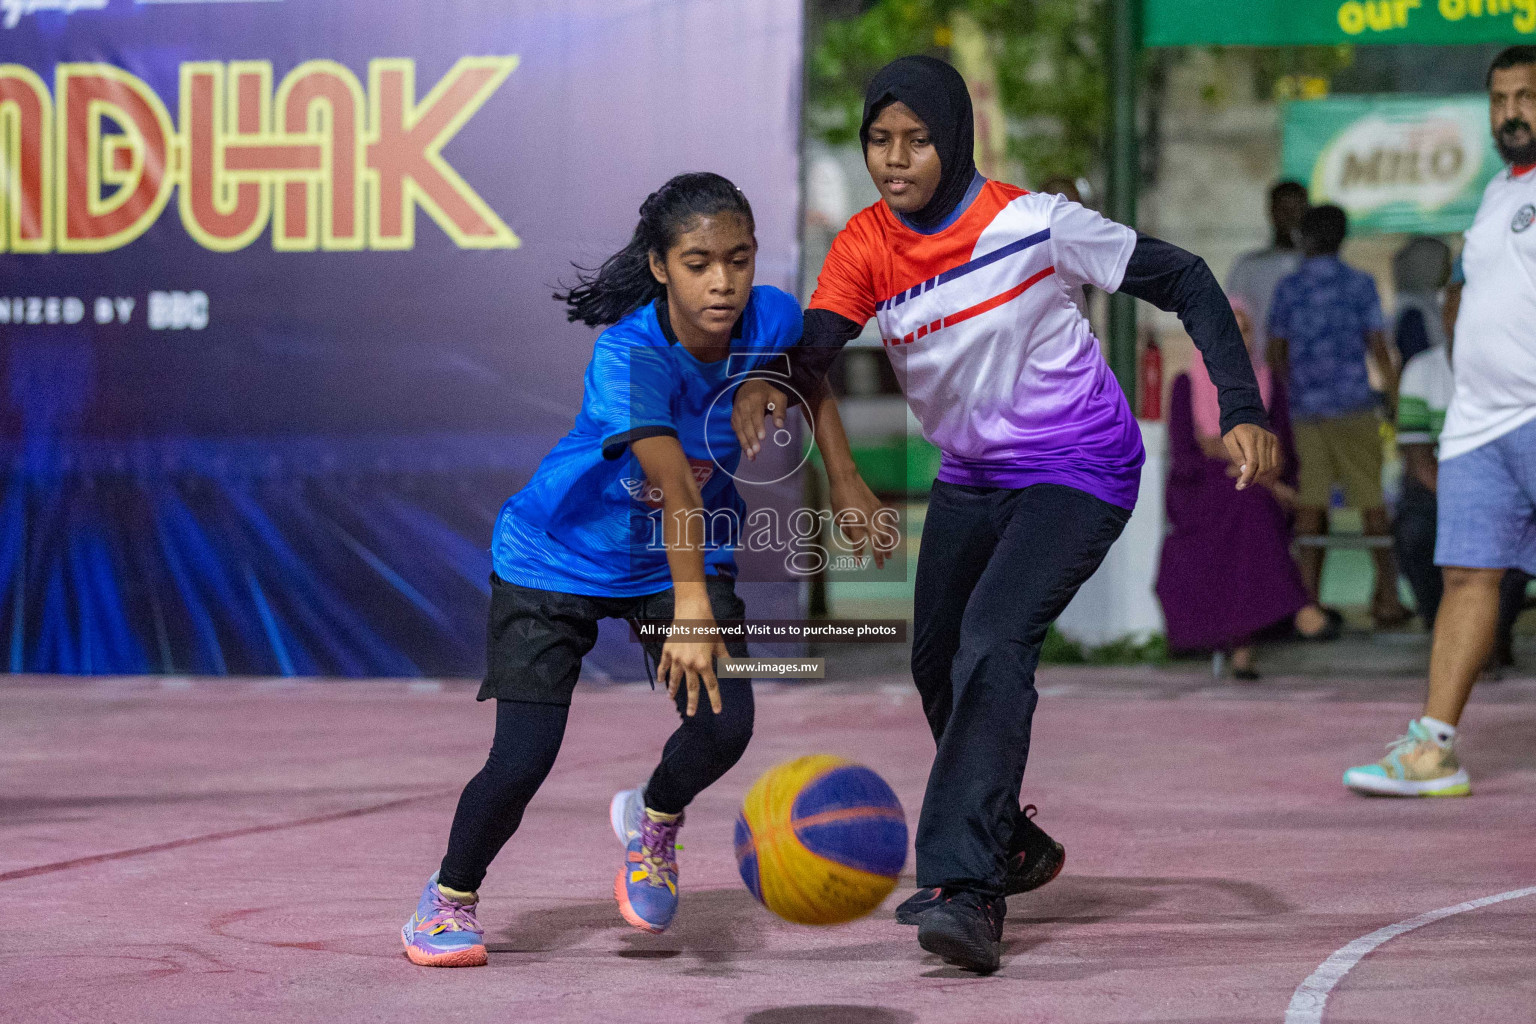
x=275 y=307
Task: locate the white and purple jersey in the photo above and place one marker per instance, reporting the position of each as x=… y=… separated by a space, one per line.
x=997 y=362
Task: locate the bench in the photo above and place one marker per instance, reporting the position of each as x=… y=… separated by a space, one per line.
x=1342 y=541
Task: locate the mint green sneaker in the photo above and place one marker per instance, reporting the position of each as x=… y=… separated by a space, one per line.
x=1415 y=765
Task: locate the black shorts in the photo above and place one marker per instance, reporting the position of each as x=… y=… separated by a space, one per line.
x=537 y=638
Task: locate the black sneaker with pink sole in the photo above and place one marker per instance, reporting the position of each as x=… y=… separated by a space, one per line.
x=965 y=930
x=1034 y=859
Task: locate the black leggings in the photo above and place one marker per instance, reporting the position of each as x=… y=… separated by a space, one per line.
x=996 y=568
x=528 y=736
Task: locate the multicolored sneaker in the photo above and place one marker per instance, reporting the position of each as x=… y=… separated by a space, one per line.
x=442 y=932
x=646 y=885
x=625 y=811
x=1415 y=765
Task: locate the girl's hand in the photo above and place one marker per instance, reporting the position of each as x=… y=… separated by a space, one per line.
x=1255 y=452
x=689 y=661
x=755 y=401
x=1215 y=448
x=854 y=507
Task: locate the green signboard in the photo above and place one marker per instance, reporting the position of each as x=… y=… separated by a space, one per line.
x=1330 y=22
x=1395 y=164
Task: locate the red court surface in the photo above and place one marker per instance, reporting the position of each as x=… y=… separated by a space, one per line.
x=176 y=851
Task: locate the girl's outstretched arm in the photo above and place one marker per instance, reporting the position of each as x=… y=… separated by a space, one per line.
x=823 y=335
x=685 y=660
x=1178 y=281
x=855 y=509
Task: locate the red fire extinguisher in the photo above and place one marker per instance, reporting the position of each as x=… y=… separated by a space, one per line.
x=1149 y=380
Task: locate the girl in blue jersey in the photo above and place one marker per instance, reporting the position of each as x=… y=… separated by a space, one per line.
x=623 y=520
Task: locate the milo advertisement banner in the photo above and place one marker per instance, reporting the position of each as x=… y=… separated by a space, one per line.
x=1395 y=164
x=276 y=327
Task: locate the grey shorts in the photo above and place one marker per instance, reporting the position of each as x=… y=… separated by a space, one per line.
x=1487 y=496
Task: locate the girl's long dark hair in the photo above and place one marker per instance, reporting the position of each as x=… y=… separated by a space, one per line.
x=624 y=282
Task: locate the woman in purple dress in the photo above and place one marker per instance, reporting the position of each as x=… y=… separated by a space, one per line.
x=1227 y=573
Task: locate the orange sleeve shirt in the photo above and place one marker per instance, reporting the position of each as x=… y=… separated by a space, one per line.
x=996 y=360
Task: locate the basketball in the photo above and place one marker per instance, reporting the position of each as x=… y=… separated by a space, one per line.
x=821 y=840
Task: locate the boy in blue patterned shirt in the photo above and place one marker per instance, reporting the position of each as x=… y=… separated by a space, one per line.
x=1324 y=323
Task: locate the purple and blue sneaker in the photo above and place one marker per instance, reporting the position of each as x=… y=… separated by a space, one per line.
x=646 y=885
x=625 y=811
x=442 y=932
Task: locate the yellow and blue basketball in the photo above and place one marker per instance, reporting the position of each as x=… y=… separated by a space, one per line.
x=821 y=840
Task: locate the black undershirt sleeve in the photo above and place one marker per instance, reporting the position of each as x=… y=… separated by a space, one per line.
x=1168 y=277
x=824 y=333
x=1177 y=281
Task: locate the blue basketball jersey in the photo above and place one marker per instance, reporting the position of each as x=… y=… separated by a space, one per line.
x=589 y=522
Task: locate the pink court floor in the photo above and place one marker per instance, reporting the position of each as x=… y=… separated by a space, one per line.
x=241 y=851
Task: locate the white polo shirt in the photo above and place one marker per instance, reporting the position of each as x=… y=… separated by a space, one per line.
x=1495 y=356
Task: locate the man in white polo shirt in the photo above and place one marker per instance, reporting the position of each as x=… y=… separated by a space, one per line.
x=1487 y=476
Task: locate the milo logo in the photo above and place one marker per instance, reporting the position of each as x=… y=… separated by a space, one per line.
x=1524 y=218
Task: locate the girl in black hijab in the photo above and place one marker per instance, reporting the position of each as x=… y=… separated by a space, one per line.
x=972 y=282
x=936 y=93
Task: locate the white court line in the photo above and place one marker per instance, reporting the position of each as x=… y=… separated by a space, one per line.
x=1311 y=996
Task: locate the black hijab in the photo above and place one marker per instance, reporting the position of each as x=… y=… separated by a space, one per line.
x=937 y=95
